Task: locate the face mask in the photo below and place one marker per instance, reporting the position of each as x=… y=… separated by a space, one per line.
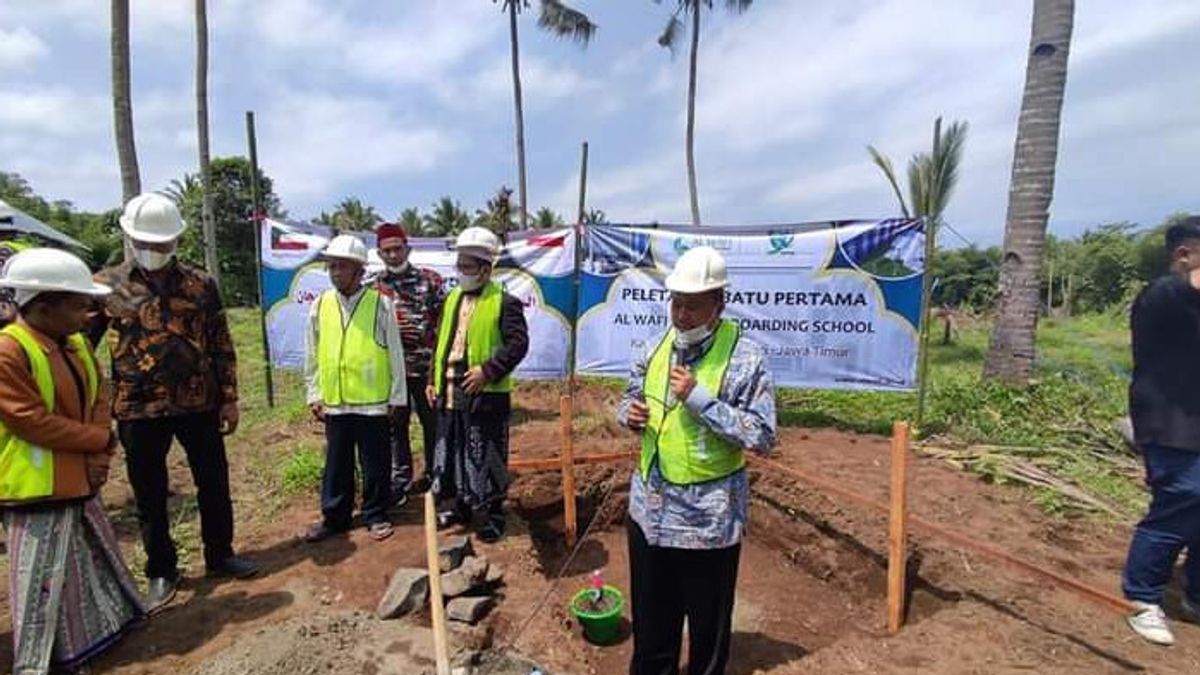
x=692 y=336
x=469 y=282
x=398 y=269
x=152 y=261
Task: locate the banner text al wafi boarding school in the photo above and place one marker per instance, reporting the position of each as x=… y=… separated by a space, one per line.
x=835 y=305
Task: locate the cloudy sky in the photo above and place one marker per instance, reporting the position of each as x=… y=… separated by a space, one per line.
x=401 y=102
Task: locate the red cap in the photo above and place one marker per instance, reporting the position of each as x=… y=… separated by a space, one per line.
x=390 y=231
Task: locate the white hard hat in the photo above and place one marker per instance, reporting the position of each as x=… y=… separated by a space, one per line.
x=39 y=270
x=152 y=218
x=699 y=270
x=346 y=247
x=478 y=242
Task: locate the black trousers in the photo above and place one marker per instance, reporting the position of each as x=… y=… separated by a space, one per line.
x=344 y=433
x=402 y=459
x=669 y=584
x=146 y=445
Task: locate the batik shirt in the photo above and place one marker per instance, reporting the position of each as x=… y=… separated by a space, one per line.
x=712 y=514
x=417 y=295
x=171 y=349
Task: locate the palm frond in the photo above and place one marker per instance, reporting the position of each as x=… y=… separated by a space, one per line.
x=947 y=155
x=919 y=177
x=737 y=6
x=671 y=33
x=889 y=172
x=566 y=22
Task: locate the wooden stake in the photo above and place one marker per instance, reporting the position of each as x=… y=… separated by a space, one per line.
x=568 y=467
x=441 y=648
x=898 y=525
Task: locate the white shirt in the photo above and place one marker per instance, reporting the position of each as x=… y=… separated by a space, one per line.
x=387 y=333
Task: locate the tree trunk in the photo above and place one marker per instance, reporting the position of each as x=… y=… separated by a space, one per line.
x=691 y=116
x=1011 y=356
x=131 y=184
x=208 y=222
x=520 y=109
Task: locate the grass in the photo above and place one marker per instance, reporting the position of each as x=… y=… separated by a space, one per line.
x=301 y=471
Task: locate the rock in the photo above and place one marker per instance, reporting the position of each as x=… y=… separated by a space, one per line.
x=452 y=553
x=469 y=609
x=477 y=638
x=494 y=575
x=469 y=575
x=408 y=590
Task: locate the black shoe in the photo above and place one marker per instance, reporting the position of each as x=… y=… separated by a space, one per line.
x=447 y=519
x=235 y=567
x=490 y=533
x=321 y=531
x=399 y=501
x=419 y=486
x=160 y=592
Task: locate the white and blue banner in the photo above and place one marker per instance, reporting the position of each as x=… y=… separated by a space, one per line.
x=836 y=305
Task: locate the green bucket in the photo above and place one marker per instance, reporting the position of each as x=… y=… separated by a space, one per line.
x=599 y=627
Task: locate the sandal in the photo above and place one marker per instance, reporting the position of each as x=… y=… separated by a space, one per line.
x=380 y=531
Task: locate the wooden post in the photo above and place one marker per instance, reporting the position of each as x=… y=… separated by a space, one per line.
x=897 y=527
x=440 y=647
x=257 y=223
x=567 y=456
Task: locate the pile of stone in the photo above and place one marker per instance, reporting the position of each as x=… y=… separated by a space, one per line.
x=469 y=585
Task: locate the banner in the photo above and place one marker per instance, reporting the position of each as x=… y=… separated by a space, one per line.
x=835 y=305
x=537 y=269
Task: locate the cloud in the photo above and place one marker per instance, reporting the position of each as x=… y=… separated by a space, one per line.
x=55 y=111
x=20 y=47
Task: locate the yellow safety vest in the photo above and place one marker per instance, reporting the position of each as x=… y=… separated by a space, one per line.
x=484 y=338
x=354 y=369
x=688 y=452
x=27 y=471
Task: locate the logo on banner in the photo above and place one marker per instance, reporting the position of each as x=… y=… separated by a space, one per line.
x=684 y=244
x=781 y=242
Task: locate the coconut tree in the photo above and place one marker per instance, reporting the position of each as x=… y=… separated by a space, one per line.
x=412 y=222
x=670 y=38
x=931 y=179
x=446 y=218
x=131 y=183
x=546 y=219
x=208 y=224
x=1010 y=357
x=351 y=214
x=561 y=20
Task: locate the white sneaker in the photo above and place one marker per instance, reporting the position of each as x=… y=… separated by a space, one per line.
x=1191 y=610
x=1150 y=622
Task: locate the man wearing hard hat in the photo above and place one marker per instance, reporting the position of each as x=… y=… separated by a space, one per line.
x=175 y=373
x=701 y=395
x=72 y=595
x=482 y=339
x=354 y=370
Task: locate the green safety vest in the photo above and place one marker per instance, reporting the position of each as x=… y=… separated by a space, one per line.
x=353 y=368
x=688 y=452
x=27 y=471
x=483 y=335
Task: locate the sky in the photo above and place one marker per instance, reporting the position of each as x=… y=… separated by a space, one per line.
x=399 y=103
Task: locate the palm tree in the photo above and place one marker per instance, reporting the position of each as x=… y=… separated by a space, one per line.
x=546 y=219
x=445 y=219
x=208 y=224
x=497 y=215
x=131 y=183
x=351 y=214
x=669 y=38
x=931 y=180
x=1010 y=357
x=561 y=20
x=411 y=220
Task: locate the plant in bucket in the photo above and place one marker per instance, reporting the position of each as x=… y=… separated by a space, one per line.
x=598 y=609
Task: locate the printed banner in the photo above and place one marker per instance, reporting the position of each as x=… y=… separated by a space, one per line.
x=537 y=269
x=835 y=305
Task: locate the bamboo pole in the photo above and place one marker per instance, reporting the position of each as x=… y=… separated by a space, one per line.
x=257 y=219
x=897 y=528
x=568 y=468
x=441 y=648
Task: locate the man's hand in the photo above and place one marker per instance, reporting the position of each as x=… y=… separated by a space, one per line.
x=1194 y=278
x=475 y=380
x=637 y=416
x=97 y=464
x=682 y=382
x=317 y=410
x=229 y=417
x=431 y=395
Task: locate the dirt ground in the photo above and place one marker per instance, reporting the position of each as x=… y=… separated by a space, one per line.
x=811 y=587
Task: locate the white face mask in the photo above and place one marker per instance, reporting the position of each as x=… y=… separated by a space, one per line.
x=469 y=282
x=692 y=336
x=398 y=269
x=152 y=261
